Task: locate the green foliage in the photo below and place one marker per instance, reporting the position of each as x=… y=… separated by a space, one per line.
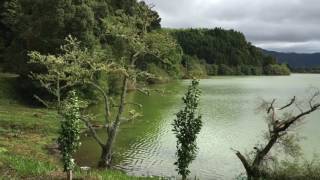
x=25 y=131
x=212 y=69
x=132 y=40
x=193 y=66
x=26 y=166
x=226 y=48
x=297 y=169
x=33 y=25
x=167 y=49
x=110 y=175
x=186 y=127
x=114 y=84
x=218 y=46
x=74 y=67
x=159 y=74
x=69 y=135
x=276 y=69
x=225 y=70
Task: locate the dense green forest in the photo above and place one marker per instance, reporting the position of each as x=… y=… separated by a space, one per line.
x=225 y=52
x=42 y=25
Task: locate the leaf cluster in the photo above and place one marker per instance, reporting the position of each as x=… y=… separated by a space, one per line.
x=69 y=135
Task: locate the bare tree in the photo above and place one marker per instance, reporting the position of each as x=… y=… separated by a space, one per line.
x=278 y=130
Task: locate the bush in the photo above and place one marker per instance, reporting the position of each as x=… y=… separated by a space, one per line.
x=212 y=69
x=194 y=67
x=225 y=70
x=297 y=170
x=159 y=75
x=276 y=69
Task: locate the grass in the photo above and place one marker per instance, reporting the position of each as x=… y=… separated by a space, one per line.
x=25 y=134
x=26 y=166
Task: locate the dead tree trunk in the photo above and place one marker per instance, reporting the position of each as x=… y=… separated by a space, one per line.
x=278 y=128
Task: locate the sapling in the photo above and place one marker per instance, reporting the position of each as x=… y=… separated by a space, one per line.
x=186 y=127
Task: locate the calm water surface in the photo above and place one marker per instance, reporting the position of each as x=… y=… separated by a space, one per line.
x=146 y=146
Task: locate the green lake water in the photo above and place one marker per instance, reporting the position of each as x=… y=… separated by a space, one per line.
x=146 y=146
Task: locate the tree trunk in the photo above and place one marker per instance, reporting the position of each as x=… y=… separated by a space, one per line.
x=184 y=177
x=105 y=159
x=106 y=155
x=69 y=175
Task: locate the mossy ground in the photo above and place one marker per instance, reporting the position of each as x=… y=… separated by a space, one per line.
x=25 y=135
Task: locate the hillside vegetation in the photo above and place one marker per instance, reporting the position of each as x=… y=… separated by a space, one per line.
x=225 y=52
x=33 y=25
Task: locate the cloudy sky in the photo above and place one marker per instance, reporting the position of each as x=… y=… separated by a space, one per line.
x=281 y=25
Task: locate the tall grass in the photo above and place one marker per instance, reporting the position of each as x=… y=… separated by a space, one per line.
x=25 y=166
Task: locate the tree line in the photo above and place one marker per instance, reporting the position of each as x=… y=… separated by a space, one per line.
x=225 y=52
x=42 y=25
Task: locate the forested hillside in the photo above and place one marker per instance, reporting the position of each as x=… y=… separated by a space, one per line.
x=33 y=25
x=42 y=25
x=225 y=52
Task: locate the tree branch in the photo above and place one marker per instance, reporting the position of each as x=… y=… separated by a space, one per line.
x=93 y=132
x=244 y=162
x=271 y=106
x=41 y=101
x=286 y=124
x=289 y=104
x=106 y=100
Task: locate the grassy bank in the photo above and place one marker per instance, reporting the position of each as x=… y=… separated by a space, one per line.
x=26 y=138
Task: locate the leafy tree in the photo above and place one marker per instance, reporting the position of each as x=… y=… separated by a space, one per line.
x=78 y=66
x=194 y=67
x=186 y=127
x=132 y=33
x=69 y=135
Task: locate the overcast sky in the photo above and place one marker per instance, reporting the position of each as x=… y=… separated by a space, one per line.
x=281 y=25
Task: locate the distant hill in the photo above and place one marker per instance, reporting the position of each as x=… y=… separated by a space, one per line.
x=296 y=60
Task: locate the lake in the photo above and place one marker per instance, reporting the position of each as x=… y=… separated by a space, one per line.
x=146 y=146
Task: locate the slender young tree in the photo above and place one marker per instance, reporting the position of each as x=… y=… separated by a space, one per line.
x=69 y=135
x=186 y=127
x=278 y=133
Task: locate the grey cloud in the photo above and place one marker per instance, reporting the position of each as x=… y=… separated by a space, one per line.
x=266 y=23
